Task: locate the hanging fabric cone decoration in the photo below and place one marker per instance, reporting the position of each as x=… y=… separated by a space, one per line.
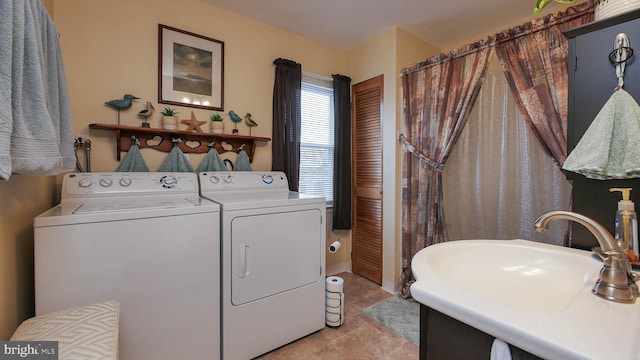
x=610 y=148
x=176 y=161
x=133 y=161
x=212 y=161
x=242 y=162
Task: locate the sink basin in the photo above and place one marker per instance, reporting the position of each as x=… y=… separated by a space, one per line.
x=532 y=295
x=517 y=274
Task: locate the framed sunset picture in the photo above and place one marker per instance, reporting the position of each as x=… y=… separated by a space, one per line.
x=190 y=69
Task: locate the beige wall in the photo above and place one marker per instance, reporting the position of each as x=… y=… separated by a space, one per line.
x=22 y=198
x=386 y=55
x=123 y=59
x=110 y=48
x=553 y=8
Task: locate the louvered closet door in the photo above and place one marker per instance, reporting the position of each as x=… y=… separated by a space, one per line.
x=366 y=256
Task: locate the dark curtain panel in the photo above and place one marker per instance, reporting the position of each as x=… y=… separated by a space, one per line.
x=285 y=145
x=342 y=153
x=438 y=95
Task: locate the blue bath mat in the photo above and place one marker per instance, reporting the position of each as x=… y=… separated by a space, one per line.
x=398 y=314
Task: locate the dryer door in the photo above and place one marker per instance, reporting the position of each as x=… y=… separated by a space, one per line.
x=275 y=252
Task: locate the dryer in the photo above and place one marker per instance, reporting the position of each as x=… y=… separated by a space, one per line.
x=273 y=261
x=146 y=240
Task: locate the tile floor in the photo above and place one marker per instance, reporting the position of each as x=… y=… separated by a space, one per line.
x=360 y=337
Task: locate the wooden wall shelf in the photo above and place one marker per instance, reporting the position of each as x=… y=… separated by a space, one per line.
x=192 y=142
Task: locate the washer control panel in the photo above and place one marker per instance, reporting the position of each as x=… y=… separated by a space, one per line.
x=242 y=180
x=112 y=184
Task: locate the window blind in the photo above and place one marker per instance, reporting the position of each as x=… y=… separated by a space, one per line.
x=316 y=138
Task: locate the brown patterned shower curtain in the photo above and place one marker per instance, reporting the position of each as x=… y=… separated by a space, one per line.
x=534 y=61
x=437 y=97
x=439 y=93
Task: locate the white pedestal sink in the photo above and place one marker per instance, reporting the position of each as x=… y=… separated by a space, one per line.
x=532 y=295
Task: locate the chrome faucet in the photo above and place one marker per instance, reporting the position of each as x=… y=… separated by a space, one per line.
x=616 y=281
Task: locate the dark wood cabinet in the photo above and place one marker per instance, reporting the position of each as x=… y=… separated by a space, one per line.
x=592 y=79
x=444 y=338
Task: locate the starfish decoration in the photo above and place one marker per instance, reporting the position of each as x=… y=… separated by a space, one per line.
x=193 y=124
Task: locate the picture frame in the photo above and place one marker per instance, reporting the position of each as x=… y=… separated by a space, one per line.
x=190 y=69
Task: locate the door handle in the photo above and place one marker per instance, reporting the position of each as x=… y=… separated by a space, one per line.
x=243 y=254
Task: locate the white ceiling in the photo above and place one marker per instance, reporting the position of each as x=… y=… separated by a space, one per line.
x=345 y=24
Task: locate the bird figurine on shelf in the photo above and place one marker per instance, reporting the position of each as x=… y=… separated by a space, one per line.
x=249 y=121
x=146 y=113
x=122 y=104
x=236 y=119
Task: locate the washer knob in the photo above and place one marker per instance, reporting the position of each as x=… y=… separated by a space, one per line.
x=84 y=182
x=267 y=179
x=125 y=182
x=168 y=182
x=105 y=182
x=214 y=179
x=227 y=179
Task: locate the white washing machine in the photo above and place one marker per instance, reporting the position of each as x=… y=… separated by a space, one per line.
x=146 y=240
x=273 y=261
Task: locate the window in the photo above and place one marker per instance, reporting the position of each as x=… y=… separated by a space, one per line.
x=316 y=138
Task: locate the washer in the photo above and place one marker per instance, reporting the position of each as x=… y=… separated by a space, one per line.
x=146 y=240
x=273 y=261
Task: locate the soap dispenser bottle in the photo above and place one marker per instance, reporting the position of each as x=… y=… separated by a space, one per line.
x=626 y=230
